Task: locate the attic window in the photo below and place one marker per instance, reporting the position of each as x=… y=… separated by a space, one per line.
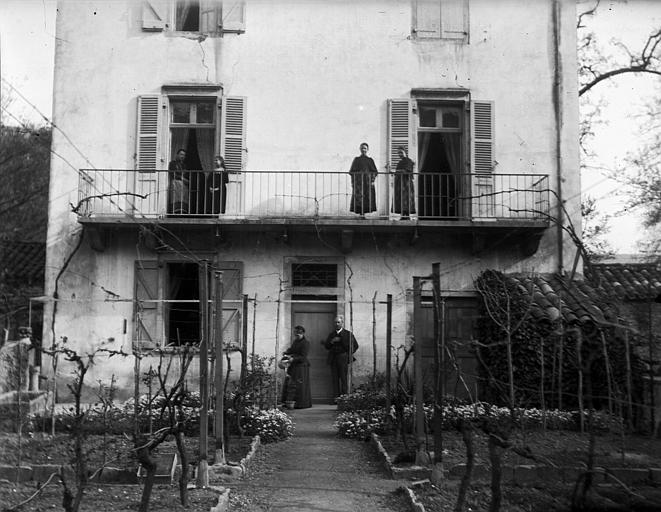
x=187 y=15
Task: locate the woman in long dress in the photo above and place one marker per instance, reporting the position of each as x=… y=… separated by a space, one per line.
x=404 y=191
x=216 y=196
x=297 y=384
x=363 y=173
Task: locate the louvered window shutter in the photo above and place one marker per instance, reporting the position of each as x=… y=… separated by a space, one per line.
x=154 y=15
x=148 y=182
x=399 y=123
x=233 y=16
x=147 y=311
x=148 y=146
x=454 y=19
x=482 y=158
x=427 y=19
x=482 y=137
x=233 y=132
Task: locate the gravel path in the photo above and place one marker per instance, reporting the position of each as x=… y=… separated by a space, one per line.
x=316 y=471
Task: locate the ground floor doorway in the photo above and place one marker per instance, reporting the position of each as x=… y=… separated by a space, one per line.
x=316 y=314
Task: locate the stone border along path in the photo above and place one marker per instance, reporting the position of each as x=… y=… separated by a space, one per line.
x=316 y=470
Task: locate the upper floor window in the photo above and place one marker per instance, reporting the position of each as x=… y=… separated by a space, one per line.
x=210 y=17
x=440 y=19
x=187 y=15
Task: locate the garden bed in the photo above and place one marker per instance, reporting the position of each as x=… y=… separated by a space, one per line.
x=108 y=498
x=561 y=448
x=41 y=455
x=527 y=486
x=115 y=450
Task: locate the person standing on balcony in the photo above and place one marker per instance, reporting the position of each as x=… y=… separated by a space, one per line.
x=179 y=184
x=216 y=190
x=363 y=173
x=404 y=191
x=297 y=384
x=341 y=345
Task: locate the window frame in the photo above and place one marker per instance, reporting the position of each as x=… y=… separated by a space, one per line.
x=159 y=264
x=444 y=11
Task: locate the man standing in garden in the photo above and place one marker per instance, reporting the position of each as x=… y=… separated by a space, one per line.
x=341 y=344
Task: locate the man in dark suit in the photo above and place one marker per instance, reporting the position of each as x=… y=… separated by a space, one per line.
x=341 y=344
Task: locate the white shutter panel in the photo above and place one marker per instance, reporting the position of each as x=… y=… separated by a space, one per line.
x=147 y=317
x=399 y=123
x=154 y=15
x=427 y=22
x=147 y=133
x=148 y=148
x=233 y=132
x=209 y=16
x=233 y=16
x=482 y=158
x=453 y=19
x=482 y=136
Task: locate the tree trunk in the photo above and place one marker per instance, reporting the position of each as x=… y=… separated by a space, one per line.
x=144 y=458
x=467 y=436
x=495 y=457
x=183 y=479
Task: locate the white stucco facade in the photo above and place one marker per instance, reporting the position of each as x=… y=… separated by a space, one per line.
x=316 y=77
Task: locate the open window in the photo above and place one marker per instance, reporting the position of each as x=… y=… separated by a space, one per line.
x=167 y=302
x=441 y=157
x=211 y=17
x=199 y=120
x=450 y=139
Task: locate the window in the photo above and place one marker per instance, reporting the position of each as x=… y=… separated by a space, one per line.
x=450 y=139
x=440 y=157
x=193 y=129
x=204 y=124
x=167 y=302
x=187 y=16
x=314 y=275
x=440 y=19
x=210 y=17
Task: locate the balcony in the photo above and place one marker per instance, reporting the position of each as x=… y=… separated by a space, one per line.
x=316 y=199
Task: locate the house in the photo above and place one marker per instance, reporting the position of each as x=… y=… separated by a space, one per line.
x=481 y=94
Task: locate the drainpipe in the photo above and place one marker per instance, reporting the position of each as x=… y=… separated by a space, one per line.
x=557 y=110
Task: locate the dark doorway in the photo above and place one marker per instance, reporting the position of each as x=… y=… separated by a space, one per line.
x=183 y=309
x=439 y=164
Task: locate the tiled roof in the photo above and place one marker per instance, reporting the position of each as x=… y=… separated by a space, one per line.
x=576 y=301
x=22 y=261
x=627 y=282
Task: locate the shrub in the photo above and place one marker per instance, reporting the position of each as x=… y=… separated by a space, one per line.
x=361 y=424
x=271 y=424
x=362 y=399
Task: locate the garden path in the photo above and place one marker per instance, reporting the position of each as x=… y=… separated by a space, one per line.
x=316 y=471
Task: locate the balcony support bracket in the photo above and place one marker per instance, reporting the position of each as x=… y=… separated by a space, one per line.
x=97 y=238
x=152 y=238
x=346 y=240
x=530 y=244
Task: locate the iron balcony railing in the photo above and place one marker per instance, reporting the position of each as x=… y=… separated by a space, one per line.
x=319 y=194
